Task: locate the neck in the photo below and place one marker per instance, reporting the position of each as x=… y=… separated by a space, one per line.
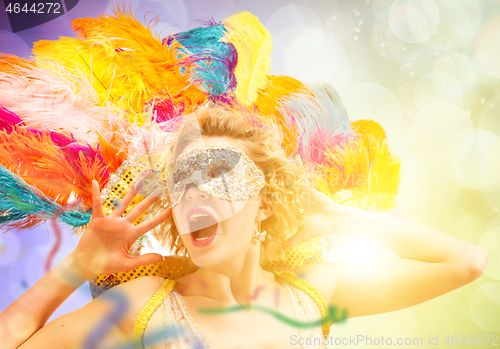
x=239 y=280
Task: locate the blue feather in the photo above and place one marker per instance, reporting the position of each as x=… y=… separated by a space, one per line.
x=325 y=112
x=335 y=116
x=19 y=200
x=216 y=59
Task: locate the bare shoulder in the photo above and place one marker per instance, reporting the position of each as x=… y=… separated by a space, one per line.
x=138 y=288
x=323 y=277
x=134 y=295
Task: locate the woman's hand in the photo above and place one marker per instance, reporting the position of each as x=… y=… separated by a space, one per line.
x=104 y=246
x=321 y=215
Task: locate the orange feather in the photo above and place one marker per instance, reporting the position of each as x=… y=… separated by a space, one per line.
x=42 y=164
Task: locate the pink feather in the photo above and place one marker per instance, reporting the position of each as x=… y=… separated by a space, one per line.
x=42 y=99
x=320 y=141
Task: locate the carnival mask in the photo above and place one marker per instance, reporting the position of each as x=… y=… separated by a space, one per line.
x=224 y=172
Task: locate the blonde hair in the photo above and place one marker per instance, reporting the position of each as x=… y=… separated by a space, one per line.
x=285 y=182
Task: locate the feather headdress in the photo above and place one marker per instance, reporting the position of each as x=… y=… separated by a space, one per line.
x=85 y=108
x=254 y=46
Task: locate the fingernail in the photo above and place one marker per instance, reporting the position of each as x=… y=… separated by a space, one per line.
x=156 y=193
x=138 y=186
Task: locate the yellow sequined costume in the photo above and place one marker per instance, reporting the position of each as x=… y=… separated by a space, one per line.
x=182 y=330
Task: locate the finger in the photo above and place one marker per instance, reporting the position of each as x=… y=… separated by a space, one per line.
x=127 y=199
x=96 y=200
x=153 y=222
x=143 y=205
x=148 y=258
x=295 y=239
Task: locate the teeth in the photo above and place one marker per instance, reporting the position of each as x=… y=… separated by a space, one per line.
x=197 y=215
x=201 y=239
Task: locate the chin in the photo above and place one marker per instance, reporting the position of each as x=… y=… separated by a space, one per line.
x=204 y=253
x=206 y=261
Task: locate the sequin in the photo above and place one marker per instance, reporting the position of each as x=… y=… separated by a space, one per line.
x=224 y=172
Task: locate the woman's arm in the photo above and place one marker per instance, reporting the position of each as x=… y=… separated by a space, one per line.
x=431 y=262
x=106 y=322
x=102 y=249
x=32 y=310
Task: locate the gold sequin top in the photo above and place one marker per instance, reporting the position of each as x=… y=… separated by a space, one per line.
x=182 y=332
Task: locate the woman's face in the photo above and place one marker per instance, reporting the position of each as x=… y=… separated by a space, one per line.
x=214 y=230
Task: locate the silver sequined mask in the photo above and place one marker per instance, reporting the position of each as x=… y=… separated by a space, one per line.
x=224 y=172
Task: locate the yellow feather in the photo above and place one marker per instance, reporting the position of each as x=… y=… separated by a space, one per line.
x=126 y=63
x=70 y=58
x=363 y=172
x=254 y=45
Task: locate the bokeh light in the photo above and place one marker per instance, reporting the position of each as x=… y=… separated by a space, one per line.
x=485 y=306
x=490 y=241
x=437 y=86
x=468 y=78
x=9 y=248
x=426 y=70
x=297 y=32
x=16 y=281
x=389 y=46
x=361 y=76
x=474 y=157
x=491 y=196
x=176 y=13
x=427 y=174
x=488 y=47
x=413 y=21
x=381 y=9
x=436 y=124
x=11 y=43
x=437 y=212
x=466 y=226
x=489 y=117
x=329 y=64
x=374 y=102
x=401 y=144
x=459 y=22
x=450 y=61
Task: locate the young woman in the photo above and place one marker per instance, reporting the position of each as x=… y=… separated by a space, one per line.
x=221 y=208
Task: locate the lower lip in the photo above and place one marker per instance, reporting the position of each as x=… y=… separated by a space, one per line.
x=204 y=243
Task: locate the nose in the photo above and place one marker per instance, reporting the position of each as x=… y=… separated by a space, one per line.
x=193 y=192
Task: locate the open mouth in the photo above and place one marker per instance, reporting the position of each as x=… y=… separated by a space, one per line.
x=202 y=225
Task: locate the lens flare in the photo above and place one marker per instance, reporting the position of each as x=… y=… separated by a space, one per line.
x=488 y=47
x=474 y=158
x=413 y=21
x=436 y=124
x=490 y=241
x=485 y=306
x=437 y=86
